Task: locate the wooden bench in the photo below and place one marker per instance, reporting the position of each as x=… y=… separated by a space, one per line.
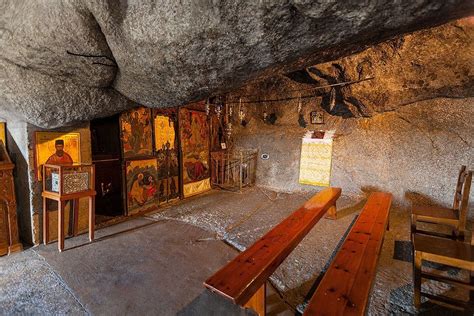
x=345 y=287
x=243 y=279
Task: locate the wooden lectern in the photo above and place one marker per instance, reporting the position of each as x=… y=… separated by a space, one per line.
x=63 y=183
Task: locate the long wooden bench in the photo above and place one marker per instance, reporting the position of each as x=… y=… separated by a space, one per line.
x=346 y=285
x=243 y=279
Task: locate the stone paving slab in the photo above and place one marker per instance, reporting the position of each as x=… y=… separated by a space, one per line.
x=141 y=267
x=29 y=286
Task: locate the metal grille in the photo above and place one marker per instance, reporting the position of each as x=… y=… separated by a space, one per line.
x=234 y=171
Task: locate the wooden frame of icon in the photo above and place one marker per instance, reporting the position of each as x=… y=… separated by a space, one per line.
x=136 y=133
x=317 y=117
x=56 y=148
x=3 y=134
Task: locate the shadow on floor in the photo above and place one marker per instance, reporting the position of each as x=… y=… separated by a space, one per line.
x=351 y=210
x=423 y=199
x=208 y=303
x=403 y=251
x=275 y=303
x=128 y=230
x=401 y=303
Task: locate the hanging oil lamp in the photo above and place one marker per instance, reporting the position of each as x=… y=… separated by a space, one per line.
x=300 y=105
x=207 y=107
x=265 y=114
x=228 y=131
x=332 y=99
x=218 y=110
x=241 y=113
x=301 y=120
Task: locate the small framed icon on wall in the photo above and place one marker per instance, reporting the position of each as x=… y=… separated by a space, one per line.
x=317 y=117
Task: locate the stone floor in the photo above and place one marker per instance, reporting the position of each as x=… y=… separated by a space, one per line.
x=240 y=219
x=156 y=264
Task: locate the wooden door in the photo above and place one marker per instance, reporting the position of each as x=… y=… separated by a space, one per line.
x=109 y=187
x=106 y=155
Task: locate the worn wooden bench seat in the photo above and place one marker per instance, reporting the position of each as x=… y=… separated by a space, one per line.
x=245 y=276
x=345 y=287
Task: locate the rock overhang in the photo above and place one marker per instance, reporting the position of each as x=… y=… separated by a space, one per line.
x=67 y=61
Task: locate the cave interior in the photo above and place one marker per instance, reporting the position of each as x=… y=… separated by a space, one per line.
x=256 y=160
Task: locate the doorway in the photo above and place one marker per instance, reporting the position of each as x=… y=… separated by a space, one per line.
x=106 y=155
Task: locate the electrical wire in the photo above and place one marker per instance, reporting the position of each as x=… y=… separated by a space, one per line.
x=346 y=83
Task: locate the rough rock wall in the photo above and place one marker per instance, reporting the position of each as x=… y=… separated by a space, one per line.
x=431 y=63
x=64 y=61
x=413 y=150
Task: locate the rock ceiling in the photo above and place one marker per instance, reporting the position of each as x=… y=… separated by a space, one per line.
x=65 y=61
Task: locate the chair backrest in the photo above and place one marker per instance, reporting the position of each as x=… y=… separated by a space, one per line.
x=459 y=185
x=464 y=205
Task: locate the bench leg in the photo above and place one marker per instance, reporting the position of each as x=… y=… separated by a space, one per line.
x=471 y=292
x=61 y=226
x=331 y=213
x=412 y=227
x=75 y=223
x=417 y=279
x=258 y=301
x=91 y=217
x=458 y=233
x=45 y=223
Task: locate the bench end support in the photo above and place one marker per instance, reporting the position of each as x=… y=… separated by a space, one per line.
x=331 y=213
x=258 y=301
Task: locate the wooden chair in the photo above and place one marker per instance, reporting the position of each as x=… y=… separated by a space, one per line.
x=346 y=285
x=243 y=280
x=454 y=217
x=446 y=252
